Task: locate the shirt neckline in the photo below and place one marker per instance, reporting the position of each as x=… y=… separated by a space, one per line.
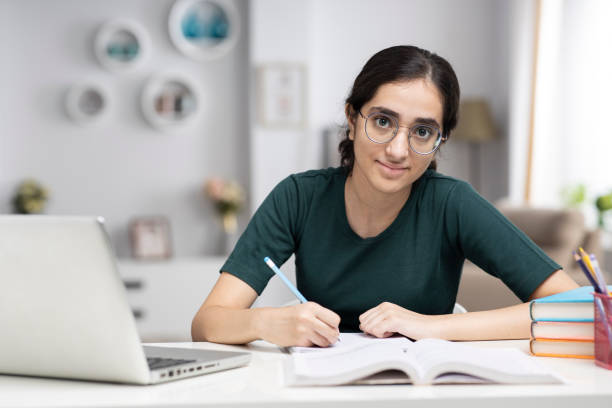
x=346 y=227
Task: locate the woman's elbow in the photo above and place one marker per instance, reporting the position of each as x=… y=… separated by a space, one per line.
x=198 y=327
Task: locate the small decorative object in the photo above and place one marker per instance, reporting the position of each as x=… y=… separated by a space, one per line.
x=228 y=198
x=203 y=29
x=121 y=44
x=30 y=198
x=87 y=103
x=150 y=237
x=603 y=204
x=573 y=196
x=170 y=101
x=281 y=95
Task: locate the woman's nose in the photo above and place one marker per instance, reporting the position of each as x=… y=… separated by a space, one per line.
x=398 y=148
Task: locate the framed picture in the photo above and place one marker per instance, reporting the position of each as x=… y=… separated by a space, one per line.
x=282 y=95
x=150 y=237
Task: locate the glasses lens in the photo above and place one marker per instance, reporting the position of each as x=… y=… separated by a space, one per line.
x=424 y=139
x=380 y=128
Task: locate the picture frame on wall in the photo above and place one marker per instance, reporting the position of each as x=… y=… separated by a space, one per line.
x=281 y=95
x=150 y=237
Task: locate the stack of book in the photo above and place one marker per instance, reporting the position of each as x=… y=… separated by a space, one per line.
x=562 y=324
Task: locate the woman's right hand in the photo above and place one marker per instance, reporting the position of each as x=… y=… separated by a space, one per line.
x=307 y=324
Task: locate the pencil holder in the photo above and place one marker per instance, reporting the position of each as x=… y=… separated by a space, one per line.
x=603 y=330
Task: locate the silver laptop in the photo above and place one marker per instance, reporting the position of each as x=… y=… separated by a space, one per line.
x=64 y=312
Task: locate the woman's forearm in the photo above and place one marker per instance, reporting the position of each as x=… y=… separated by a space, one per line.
x=220 y=324
x=507 y=323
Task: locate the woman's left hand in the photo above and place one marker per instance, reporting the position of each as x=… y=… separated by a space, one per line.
x=387 y=318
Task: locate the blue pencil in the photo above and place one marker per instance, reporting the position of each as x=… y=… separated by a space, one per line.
x=598 y=275
x=586 y=272
x=286 y=281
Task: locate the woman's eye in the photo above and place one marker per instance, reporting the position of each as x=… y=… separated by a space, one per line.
x=382 y=122
x=423 y=132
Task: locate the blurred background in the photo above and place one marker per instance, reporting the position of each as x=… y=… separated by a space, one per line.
x=174 y=119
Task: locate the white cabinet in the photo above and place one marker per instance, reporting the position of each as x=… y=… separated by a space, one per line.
x=165 y=295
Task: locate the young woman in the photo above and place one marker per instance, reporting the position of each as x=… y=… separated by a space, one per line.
x=380 y=241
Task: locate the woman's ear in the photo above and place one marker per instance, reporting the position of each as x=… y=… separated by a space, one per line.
x=349 y=112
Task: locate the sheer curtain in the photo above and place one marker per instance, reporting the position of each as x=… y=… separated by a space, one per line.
x=572 y=137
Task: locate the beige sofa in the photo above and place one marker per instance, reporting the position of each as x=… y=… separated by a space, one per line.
x=557 y=232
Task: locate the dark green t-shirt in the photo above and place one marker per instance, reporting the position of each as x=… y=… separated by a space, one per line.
x=415 y=263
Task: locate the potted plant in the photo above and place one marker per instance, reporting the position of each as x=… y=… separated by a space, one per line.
x=30 y=198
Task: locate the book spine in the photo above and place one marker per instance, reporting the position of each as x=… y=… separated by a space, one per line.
x=560 y=320
x=563 y=355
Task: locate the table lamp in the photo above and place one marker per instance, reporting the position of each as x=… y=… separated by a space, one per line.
x=475 y=126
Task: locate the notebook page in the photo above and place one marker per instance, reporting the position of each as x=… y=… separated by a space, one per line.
x=432 y=354
x=339 y=361
x=350 y=341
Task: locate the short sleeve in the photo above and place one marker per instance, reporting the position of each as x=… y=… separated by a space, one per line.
x=488 y=239
x=272 y=232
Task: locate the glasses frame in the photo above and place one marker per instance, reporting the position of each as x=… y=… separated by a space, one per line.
x=439 y=141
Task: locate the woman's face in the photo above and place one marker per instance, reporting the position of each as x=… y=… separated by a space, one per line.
x=392 y=167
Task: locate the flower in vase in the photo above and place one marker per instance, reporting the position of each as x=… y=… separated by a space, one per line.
x=228 y=198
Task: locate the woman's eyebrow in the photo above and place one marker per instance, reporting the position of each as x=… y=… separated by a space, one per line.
x=387 y=111
x=427 y=121
x=384 y=110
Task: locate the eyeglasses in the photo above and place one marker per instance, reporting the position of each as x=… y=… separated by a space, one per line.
x=381 y=128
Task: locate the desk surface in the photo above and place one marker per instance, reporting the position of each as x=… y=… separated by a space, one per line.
x=261 y=384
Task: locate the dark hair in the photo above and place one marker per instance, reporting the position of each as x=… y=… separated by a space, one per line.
x=402 y=63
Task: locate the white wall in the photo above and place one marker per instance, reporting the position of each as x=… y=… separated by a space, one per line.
x=280 y=32
x=123 y=167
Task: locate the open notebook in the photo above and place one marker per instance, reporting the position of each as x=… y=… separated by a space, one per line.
x=359 y=358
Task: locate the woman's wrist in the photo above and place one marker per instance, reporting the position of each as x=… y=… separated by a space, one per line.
x=437 y=326
x=258 y=322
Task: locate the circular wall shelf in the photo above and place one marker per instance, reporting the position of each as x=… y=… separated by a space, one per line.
x=204 y=29
x=170 y=101
x=87 y=103
x=121 y=45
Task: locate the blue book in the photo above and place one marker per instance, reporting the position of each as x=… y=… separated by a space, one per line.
x=574 y=305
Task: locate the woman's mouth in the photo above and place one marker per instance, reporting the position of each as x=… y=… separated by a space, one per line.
x=391 y=170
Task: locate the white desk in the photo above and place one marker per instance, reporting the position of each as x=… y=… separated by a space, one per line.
x=261 y=385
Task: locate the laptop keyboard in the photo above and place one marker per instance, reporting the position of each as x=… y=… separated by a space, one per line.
x=157 y=362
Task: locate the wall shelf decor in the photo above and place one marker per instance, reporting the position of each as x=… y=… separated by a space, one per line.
x=204 y=29
x=170 y=101
x=87 y=103
x=121 y=45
